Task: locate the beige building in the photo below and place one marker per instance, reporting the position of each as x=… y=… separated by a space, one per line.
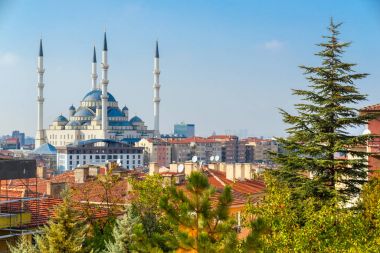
x=184 y=149
x=155 y=151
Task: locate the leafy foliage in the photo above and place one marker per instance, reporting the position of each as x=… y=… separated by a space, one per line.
x=23 y=245
x=283 y=224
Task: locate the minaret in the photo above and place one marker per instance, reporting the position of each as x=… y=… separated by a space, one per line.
x=40 y=135
x=156 y=92
x=104 y=86
x=94 y=75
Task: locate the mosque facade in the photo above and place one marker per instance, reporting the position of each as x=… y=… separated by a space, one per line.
x=98 y=115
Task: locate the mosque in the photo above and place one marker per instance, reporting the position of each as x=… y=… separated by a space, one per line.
x=98 y=116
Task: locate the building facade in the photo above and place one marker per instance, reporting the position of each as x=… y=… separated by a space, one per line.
x=98 y=115
x=260 y=150
x=184 y=149
x=99 y=152
x=155 y=151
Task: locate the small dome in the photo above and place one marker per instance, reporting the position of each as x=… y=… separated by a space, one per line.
x=136 y=119
x=45 y=149
x=61 y=118
x=115 y=112
x=84 y=112
x=125 y=108
x=72 y=108
x=96 y=95
x=73 y=123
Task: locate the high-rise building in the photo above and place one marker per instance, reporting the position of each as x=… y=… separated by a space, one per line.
x=20 y=136
x=185 y=130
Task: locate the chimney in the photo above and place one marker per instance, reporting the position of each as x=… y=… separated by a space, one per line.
x=54 y=189
x=230 y=171
x=93 y=171
x=153 y=168
x=41 y=172
x=239 y=171
x=81 y=174
x=189 y=167
x=222 y=167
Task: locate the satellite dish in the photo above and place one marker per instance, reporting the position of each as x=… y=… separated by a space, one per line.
x=217 y=158
x=180 y=168
x=366 y=131
x=194 y=159
x=212 y=158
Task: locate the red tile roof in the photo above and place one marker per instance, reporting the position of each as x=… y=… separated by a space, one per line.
x=374 y=108
x=192 y=139
x=246 y=187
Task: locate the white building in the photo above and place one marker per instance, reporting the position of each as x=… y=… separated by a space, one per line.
x=98 y=152
x=98 y=115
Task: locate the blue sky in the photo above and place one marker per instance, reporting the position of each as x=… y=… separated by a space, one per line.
x=225 y=65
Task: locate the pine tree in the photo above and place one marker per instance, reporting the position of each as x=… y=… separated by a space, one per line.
x=319 y=135
x=64 y=231
x=200 y=226
x=123 y=233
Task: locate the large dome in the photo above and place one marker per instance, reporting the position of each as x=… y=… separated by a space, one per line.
x=96 y=95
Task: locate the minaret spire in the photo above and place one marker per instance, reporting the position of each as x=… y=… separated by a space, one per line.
x=156 y=92
x=104 y=96
x=40 y=135
x=157 y=53
x=94 y=74
x=41 y=53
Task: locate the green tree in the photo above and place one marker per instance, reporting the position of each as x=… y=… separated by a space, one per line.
x=284 y=224
x=199 y=225
x=23 y=245
x=320 y=129
x=146 y=195
x=64 y=231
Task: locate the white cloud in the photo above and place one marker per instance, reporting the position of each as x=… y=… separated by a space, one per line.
x=8 y=59
x=273 y=45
